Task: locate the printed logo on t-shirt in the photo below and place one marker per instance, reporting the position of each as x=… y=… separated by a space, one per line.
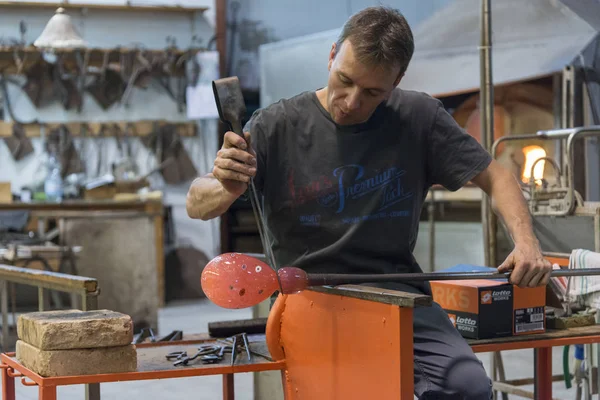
x=354 y=183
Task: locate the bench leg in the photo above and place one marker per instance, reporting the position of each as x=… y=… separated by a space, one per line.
x=47 y=393
x=228 y=392
x=543 y=373
x=8 y=385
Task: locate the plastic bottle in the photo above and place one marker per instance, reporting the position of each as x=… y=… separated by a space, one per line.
x=53 y=186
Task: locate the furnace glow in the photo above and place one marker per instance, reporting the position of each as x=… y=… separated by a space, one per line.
x=533 y=153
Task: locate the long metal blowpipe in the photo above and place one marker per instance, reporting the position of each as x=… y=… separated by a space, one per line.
x=232 y=109
x=235 y=280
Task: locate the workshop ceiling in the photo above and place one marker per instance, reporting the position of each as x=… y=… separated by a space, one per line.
x=530 y=39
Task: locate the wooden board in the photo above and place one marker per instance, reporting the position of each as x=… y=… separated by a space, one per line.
x=402 y=299
x=47 y=279
x=94 y=129
x=65 y=207
x=91 y=6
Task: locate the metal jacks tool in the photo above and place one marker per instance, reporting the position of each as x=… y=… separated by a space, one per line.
x=183 y=359
x=237 y=342
x=232 y=109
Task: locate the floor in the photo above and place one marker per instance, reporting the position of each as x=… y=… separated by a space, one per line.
x=194 y=316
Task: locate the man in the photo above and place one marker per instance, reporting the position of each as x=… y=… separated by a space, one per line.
x=344 y=172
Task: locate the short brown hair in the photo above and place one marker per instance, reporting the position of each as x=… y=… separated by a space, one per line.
x=380 y=36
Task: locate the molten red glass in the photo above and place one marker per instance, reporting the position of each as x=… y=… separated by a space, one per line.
x=235 y=280
x=293 y=280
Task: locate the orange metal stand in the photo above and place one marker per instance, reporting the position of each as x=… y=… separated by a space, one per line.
x=345 y=343
x=152 y=364
x=355 y=342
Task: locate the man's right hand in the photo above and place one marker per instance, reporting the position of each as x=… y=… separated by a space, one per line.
x=235 y=165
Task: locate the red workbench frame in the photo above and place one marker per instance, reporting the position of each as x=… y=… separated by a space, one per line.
x=12 y=369
x=543 y=353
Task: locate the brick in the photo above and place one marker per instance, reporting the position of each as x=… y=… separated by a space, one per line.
x=105 y=360
x=75 y=329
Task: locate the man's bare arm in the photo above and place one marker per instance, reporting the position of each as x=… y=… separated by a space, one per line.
x=528 y=266
x=507 y=201
x=211 y=195
x=207 y=199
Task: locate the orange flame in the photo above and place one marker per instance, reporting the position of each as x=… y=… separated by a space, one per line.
x=533 y=153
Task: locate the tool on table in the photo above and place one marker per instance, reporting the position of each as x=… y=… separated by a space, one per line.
x=204 y=350
x=172 y=337
x=236 y=345
x=178 y=355
x=235 y=280
x=232 y=109
x=214 y=353
x=249 y=351
x=143 y=335
x=149 y=333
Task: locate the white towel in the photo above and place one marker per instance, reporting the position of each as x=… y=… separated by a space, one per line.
x=584 y=285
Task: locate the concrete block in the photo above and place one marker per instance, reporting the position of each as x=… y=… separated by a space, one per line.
x=104 y=360
x=75 y=329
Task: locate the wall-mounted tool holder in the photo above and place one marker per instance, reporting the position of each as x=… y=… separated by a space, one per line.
x=108 y=75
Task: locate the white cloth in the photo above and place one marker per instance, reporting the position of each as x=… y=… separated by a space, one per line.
x=584 y=285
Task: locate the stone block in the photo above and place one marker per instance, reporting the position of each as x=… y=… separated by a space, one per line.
x=105 y=360
x=75 y=329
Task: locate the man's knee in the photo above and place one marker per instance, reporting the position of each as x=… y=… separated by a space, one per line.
x=468 y=378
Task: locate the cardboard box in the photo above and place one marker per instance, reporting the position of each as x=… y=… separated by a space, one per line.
x=483 y=309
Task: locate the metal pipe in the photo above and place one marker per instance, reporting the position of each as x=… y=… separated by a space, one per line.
x=555 y=254
x=532 y=182
x=487 y=125
x=343 y=279
x=571 y=134
x=511 y=138
x=557 y=171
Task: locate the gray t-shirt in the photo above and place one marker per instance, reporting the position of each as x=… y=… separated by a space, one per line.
x=347 y=199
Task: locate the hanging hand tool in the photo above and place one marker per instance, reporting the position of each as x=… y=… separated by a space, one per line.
x=232 y=109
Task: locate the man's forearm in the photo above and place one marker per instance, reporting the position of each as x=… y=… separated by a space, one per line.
x=207 y=199
x=508 y=203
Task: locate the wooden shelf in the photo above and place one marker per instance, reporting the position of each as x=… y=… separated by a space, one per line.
x=111 y=7
x=139 y=128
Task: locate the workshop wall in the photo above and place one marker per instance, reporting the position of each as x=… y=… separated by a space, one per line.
x=109 y=29
x=256 y=22
x=251 y=24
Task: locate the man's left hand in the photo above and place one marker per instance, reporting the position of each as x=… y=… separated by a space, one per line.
x=527 y=266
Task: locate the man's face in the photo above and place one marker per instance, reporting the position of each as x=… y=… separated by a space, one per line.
x=354 y=90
